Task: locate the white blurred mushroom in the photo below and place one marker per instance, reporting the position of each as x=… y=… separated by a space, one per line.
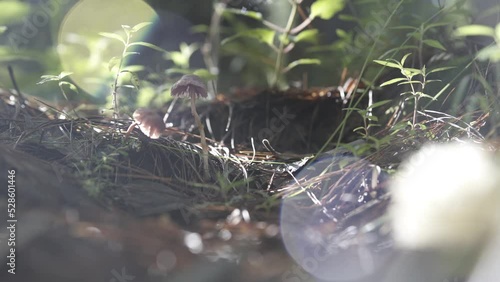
x=445 y=209
x=445 y=196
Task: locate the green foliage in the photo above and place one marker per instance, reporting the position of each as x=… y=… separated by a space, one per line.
x=64 y=86
x=116 y=63
x=12 y=11
x=369 y=120
x=416 y=79
x=181 y=58
x=282 y=40
x=326 y=9
x=491 y=52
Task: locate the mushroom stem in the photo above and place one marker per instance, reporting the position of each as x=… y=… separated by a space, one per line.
x=201 y=128
x=130 y=128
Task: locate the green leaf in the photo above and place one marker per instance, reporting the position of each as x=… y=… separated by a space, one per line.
x=442 y=91
x=423 y=95
x=388 y=64
x=392 y=81
x=201 y=28
x=378 y=104
x=358 y=128
x=440 y=69
x=326 y=9
x=403 y=27
x=410 y=72
x=361 y=112
x=13 y=12
x=2 y=29
x=113 y=36
x=135 y=80
x=403 y=60
x=179 y=59
x=348 y=18
x=70 y=85
x=113 y=62
x=63 y=74
x=308 y=35
x=126 y=54
x=250 y=14
x=341 y=33
x=133 y=68
x=475 y=29
x=188 y=50
x=410 y=82
x=140 y=26
x=262 y=34
x=48 y=78
x=301 y=62
x=434 y=44
x=149 y=45
x=489 y=53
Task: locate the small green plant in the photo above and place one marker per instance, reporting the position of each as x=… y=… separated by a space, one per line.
x=416 y=79
x=117 y=62
x=368 y=118
x=181 y=60
x=63 y=85
x=288 y=36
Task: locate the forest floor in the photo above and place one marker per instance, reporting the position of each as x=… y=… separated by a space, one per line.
x=282 y=201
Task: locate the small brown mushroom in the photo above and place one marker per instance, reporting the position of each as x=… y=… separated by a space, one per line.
x=192 y=86
x=149 y=122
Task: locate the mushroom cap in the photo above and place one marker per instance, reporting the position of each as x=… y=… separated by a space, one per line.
x=189 y=85
x=150 y=122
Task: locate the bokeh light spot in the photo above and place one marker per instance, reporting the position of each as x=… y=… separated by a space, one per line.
x=84 y=52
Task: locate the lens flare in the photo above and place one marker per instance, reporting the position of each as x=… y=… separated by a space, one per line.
x=311 y=221
x=84 y=52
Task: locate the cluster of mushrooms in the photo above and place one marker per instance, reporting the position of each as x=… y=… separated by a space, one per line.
x=152 y=124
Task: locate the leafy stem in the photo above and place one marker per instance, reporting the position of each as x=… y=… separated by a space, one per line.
x=118 y=61
x=408 y=79
x=282 y=45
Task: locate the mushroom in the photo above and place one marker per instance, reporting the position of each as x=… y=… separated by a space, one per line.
x=192 y=86
x=149 y=122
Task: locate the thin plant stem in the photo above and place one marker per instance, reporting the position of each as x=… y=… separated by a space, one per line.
x=281 y=49
x=115 y=84
x=201 y=128
x=210 y=49
x=115 y=91
x=415 y=112
x=414 y=93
